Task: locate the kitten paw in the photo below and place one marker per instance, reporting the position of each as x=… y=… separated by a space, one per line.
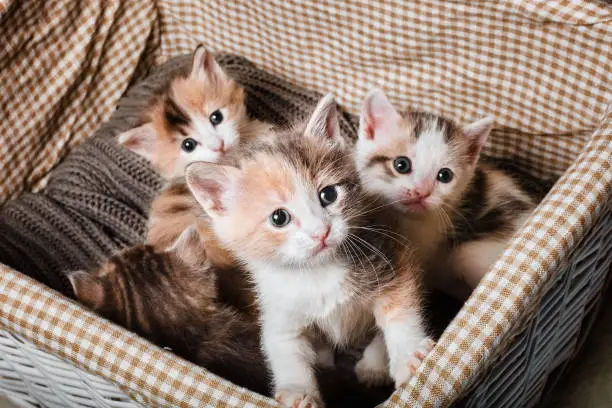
x=293 y=398
x=409 y=369
x=372 y=373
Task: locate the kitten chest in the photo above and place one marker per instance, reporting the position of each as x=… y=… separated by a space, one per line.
x=320 y=296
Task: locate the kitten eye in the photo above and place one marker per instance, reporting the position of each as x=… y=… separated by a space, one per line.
x=216 y=117
x=402 y=165
x=189 y=145
x=280 y=218
x=445 y=175
x=328 y=195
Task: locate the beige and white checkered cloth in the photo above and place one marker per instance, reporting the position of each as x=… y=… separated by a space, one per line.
x=542 y=68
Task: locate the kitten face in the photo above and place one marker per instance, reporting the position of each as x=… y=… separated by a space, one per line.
x=199 y=118
x=419 y=161
x=290 y=199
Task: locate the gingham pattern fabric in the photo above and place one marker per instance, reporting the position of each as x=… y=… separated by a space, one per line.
x=63 y=66
x=150 y=374
x=542 y=68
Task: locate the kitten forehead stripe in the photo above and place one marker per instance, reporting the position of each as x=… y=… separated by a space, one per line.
x=381 y=160
x=175 y=115
x=424 y=120
x=374 y=160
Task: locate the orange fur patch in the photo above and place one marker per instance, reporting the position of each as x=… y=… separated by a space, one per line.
x=403 y=294
x=266 y=184
x=197 y=97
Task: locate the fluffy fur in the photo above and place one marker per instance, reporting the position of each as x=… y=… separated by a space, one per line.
x=331 y=270
x=469 y=218
x=171 y=298
x=187 y=111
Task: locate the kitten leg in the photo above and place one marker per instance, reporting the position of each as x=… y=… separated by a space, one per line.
x=372 y=369
x=470 y=261
x=397 y=313
x=291 y=358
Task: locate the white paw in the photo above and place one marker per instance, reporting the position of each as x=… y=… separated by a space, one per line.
x=372 y=373
x=408 y=369
x=294 y=398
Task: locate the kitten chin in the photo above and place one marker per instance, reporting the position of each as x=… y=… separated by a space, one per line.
x=200 y=116
x=172 y=298
x=283 y=200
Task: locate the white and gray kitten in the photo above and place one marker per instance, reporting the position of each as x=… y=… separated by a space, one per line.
x=454 y=207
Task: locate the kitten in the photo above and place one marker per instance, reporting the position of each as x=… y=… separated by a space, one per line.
x=292 y=210
x=427 y=166
x=198 y=117
x=171 y=298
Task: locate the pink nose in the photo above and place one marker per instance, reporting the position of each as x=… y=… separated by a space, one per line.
x=220 y=148
x=422 y=194
x=323 y=237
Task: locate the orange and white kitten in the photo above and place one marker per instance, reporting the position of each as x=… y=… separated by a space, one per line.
x=199 y=117
x=428 y=167
x=292 y=210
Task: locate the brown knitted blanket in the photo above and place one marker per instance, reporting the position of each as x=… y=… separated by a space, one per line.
x=97 y=200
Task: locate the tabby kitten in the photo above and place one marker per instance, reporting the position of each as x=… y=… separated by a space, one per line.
x=454 y=207
x=292 y=210
x=198 y=117
x=171 y=298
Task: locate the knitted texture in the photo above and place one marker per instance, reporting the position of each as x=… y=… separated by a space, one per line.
x=97 y=200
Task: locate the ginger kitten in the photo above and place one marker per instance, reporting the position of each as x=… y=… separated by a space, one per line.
x=199 y=117
x=454 y=207
x=171 y=298
x=292 y=210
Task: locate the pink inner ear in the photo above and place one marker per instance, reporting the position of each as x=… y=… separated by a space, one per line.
x=379 y=113
x=369 y=127
x=211 y=189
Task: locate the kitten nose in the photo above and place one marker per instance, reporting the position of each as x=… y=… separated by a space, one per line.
x=421 y=192
x=219 y=148
x=324 y=236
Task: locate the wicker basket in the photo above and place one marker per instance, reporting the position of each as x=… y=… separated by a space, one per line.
x=515 y=335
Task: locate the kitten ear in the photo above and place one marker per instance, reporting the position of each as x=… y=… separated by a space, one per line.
x=140 y=140
x=376 y=112
x=324 y=121
x=477 y=134
x=204 y=64
x=212 y=185
x=88 y=288
x=189 y=247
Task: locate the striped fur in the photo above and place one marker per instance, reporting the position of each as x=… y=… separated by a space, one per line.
x=171 y=298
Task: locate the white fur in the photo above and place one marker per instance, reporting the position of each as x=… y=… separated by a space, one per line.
x=290 y=301
x=373 y=368
x=404 y=334
x=428 y=155
x=209 y=137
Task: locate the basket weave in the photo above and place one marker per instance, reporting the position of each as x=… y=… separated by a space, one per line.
x=541 y=67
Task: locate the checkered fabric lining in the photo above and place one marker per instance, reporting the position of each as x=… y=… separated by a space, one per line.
x=540 y=67
x=57 y=92
x=545 y=83
x=142 y=369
